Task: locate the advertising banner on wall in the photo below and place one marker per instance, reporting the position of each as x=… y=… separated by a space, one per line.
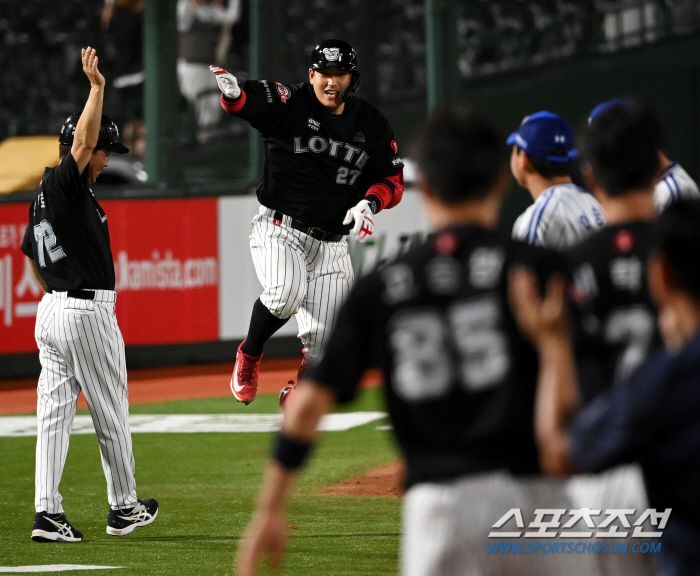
x=167 y=269
x=19 y=292
x=183 y=268
x=167 y=273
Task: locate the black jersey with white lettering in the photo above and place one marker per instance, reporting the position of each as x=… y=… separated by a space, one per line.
x=459 y=377
x=67 y=235
x=317 y=164
x=614 y=316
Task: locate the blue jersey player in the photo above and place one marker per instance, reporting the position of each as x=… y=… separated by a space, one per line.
x=562 y=214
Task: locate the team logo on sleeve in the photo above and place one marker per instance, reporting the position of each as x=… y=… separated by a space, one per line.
x=331 y=54
x=283 y=91
x=394 y=146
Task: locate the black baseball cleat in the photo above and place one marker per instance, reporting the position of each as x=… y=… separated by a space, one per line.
x=54 y=528
x=123 y=522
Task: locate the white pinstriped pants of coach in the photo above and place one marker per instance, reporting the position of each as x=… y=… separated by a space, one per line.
x=81 y=348
x=300 y=275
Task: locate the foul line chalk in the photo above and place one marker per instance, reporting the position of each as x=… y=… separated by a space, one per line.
x=54 y=568
x=193 y=423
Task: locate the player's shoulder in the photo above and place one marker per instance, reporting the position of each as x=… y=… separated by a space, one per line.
x=663 y=372
x=65 y=172
x=366 y=107
x=470 y=254
x=537 y=216
x=368 y=113
x=613 y=241
x=679 y=176
x=561 y=194
x=522 y=223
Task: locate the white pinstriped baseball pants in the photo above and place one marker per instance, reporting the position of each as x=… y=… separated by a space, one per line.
x=81 y=349
x=300 y=275
x=445 y=528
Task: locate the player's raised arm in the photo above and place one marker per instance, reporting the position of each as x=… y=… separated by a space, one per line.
x=88 y=128
x=544 y=322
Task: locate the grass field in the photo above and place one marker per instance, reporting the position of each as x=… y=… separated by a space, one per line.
x=206 y=485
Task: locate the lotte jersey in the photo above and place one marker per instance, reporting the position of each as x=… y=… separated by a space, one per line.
x=318 y=165
x=459 y=377
x=68 y=235
x=614 y=317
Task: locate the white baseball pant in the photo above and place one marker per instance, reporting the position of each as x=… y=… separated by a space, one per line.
x=621 y=487
x=81 y=349
x=300 y=275
x=446 y=528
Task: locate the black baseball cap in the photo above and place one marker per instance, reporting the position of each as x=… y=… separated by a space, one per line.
x=106 y=140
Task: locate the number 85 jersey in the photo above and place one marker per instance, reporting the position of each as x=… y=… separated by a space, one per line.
x=459 y=377
x=67 y=235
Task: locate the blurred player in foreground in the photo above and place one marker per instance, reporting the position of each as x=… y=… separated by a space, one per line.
x=563 y=214
x=614 y=316
x=80 y=346
x=459 y=377
x=331 y=164
x=672 y=181
x=652 y=416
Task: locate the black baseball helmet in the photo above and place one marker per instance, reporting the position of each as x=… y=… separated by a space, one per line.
x=107 y=139
x=337 y=54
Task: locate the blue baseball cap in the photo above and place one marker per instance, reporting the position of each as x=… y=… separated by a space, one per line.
x=546 y=136
x=605 y=106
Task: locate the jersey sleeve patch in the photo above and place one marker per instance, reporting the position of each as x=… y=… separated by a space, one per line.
x=283 y=91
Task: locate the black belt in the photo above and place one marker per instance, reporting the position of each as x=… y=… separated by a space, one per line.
x=312 y=231
x=80 y=294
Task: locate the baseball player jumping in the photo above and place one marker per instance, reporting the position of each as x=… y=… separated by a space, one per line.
x=563 y=214
x=672 y=181
x=331 y=164
x=80 y=345
x=460 y=380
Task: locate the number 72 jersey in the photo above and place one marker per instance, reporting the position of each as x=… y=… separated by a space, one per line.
x=615 y=321
x=67 y=235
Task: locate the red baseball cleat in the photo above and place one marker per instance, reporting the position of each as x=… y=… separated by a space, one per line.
x=286 y=393
x=244 y=380
x=304 y=366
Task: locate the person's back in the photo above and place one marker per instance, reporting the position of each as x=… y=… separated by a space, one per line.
x=653 y=416
x=615 y=317
x=459 y=378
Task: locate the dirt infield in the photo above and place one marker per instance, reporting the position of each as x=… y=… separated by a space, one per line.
x=164 y=384
x=385 y=481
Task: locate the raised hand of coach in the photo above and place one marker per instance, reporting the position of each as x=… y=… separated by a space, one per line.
x=227 y=82
x=90 y=60
x=364 y=223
